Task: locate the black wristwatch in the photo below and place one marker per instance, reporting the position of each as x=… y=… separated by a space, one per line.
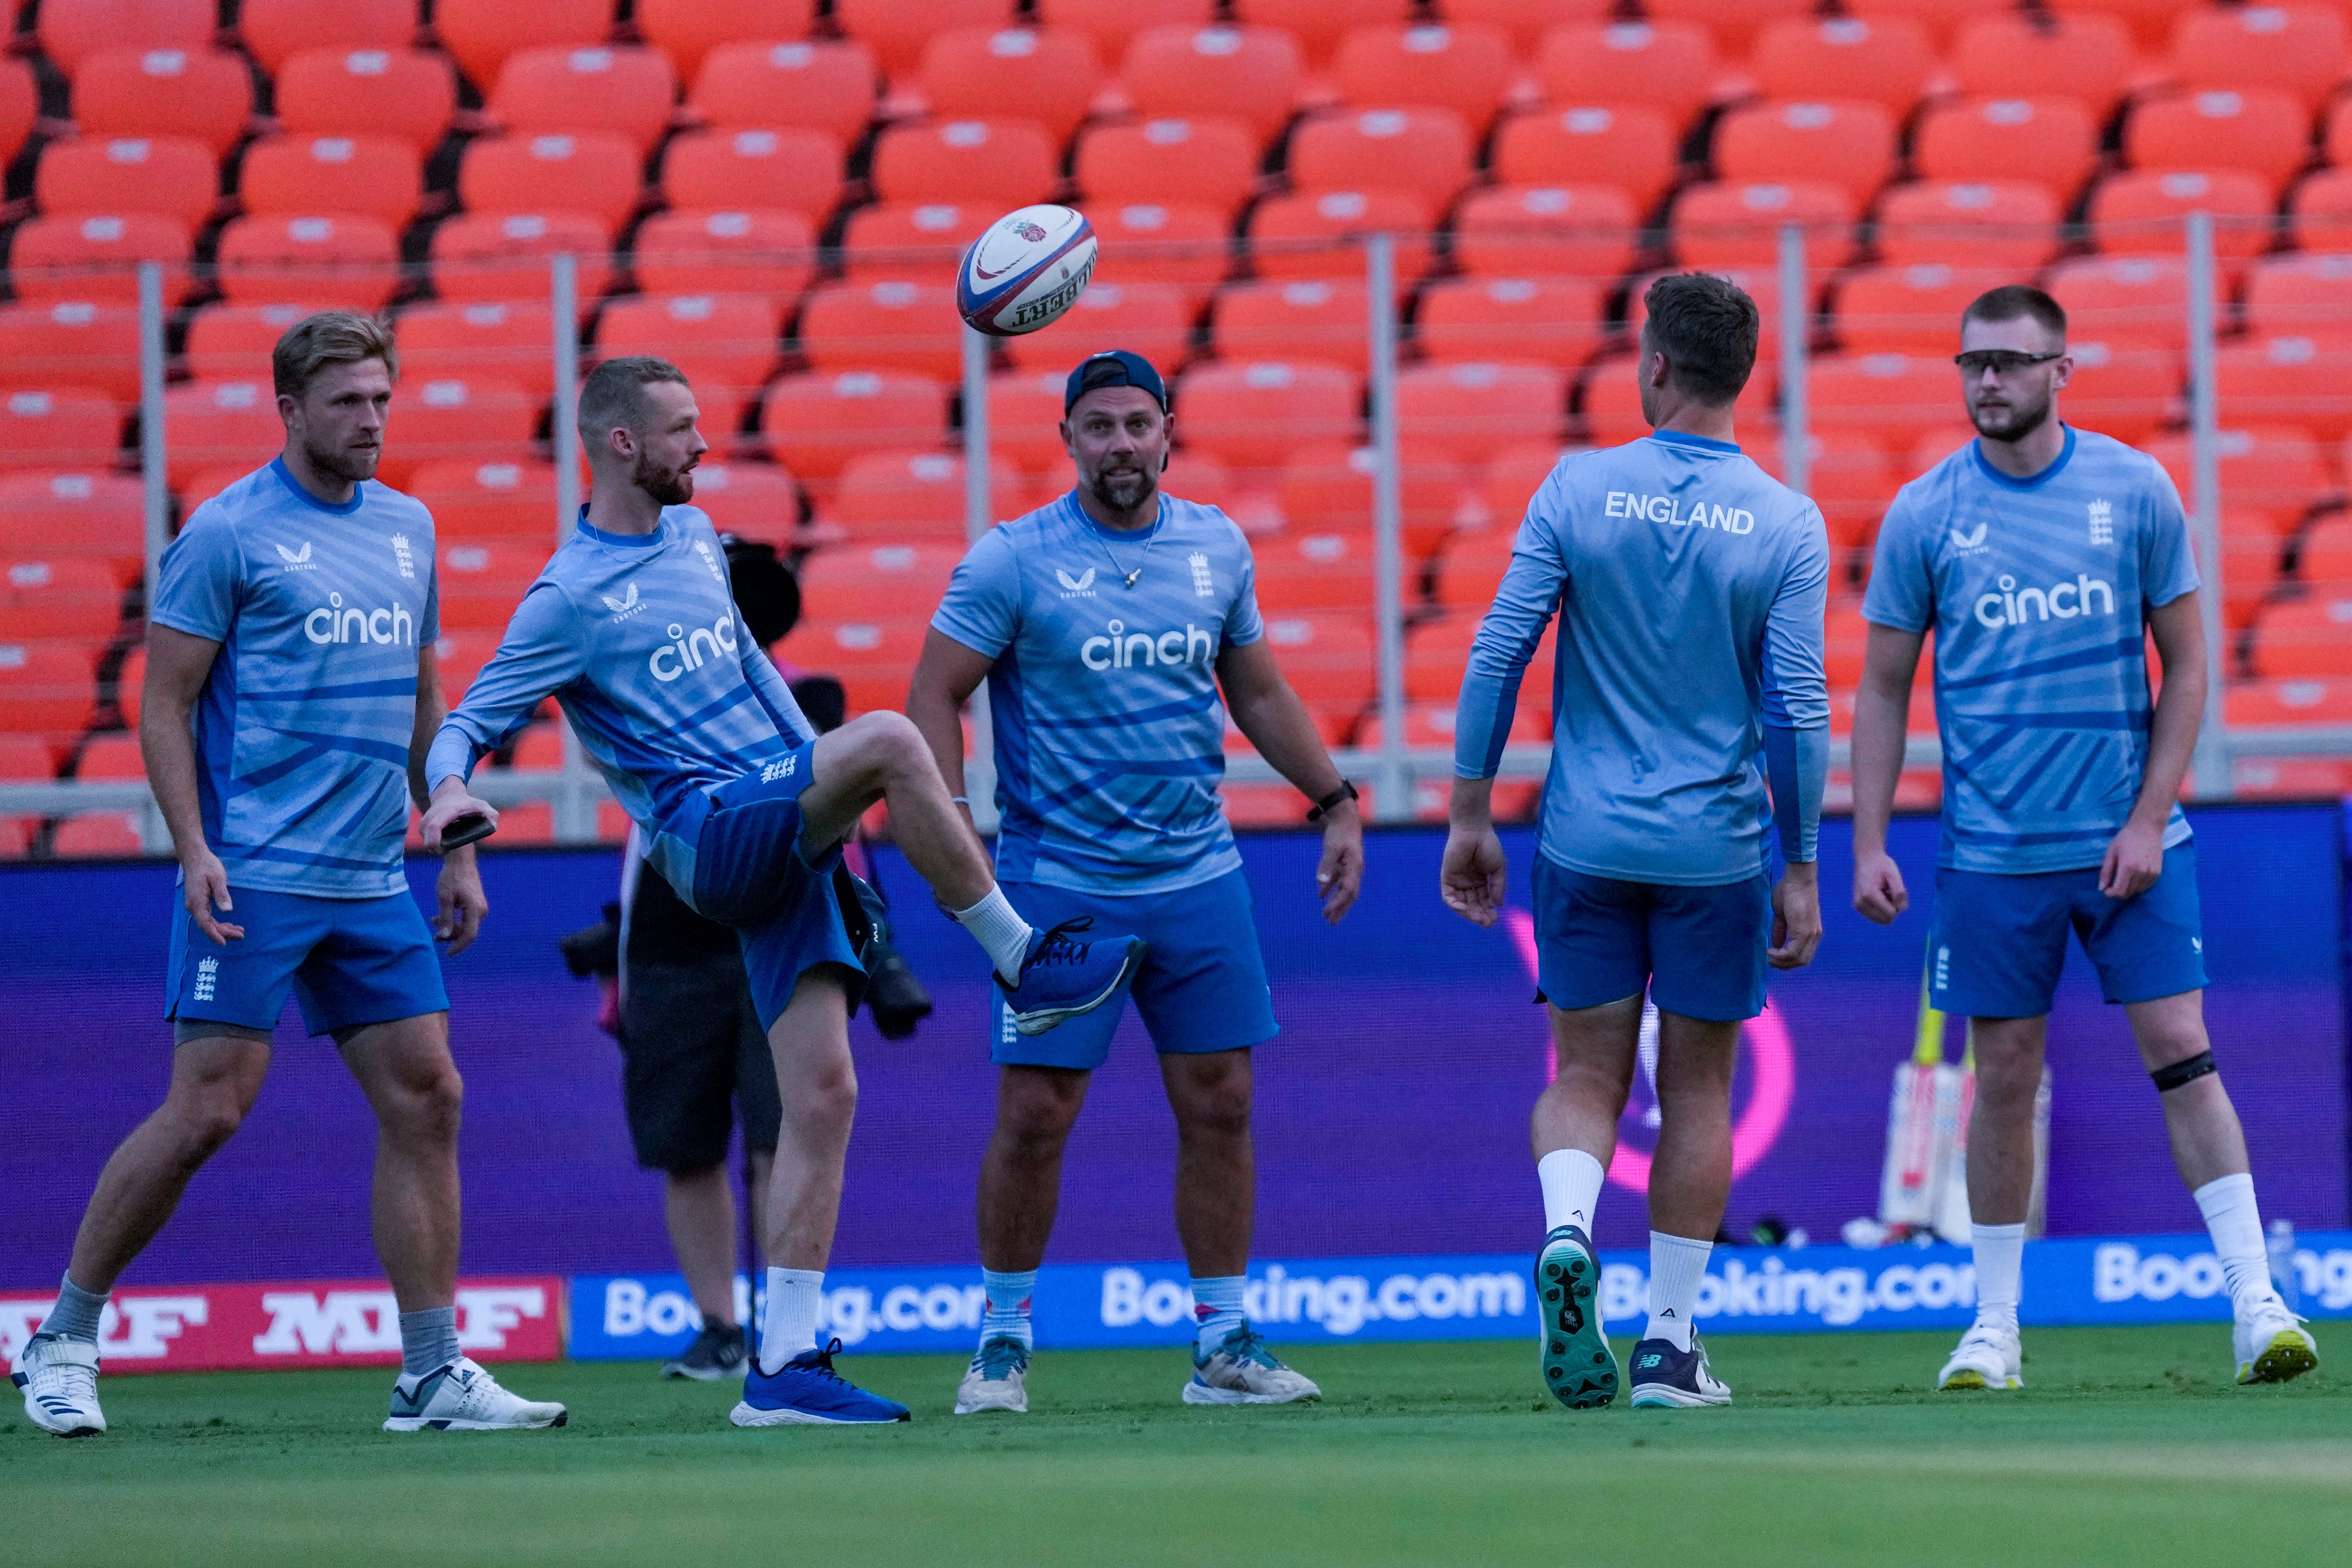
x=1345 y=792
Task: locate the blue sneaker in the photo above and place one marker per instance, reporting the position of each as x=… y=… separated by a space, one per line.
x=1667 y=1378
x=807 y=1391
x=1577 y=1365
x=1063 y=978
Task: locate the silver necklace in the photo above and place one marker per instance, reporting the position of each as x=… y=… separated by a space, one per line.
x=1127 y=579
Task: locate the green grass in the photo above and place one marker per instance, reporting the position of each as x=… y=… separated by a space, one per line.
x=2130 y=1446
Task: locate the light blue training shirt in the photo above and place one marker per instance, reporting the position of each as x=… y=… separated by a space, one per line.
x=303 y=727
x=2037 y=591
x=636 y=637
x=1110 y=729
x=1690 y=587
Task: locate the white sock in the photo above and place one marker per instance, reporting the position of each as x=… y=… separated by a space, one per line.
x=1572 y=1188
x=1003 y=933
x=2236 y=1226
x=1677 y=1266
x=1999 y=1252
x=788 y=1326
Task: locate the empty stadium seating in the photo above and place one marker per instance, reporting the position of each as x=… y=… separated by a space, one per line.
x=767 y=251
x=2006 y=224
x=592 y=173
x=2301 y=49
x=1521 y=231
x=2011 y=55
x=66 y=428
x=2265 y=133
x=1425 y=152
x=408 y=94
x=85 y=512
x=206 y=94
x=1182 y=243
x=816 y=423
x=1470 y=412
x=341 y=261
x=72 y=31
x=1668 y=66
x=1628 y=145
x=1004 y=163
x=1886 y=60
x=229 y=341
x=1308 y=234
x=380 y=177
x=1045 y=74
x=1461 y=66
x=688 y=30
x=726 y=343
x=1151 y=318
x=482 y=34
x=452 y=419
x=497 y=341
x=474 y=500
x=1726 y=224
x=825 y=85
x=1250 y=73
x=797 y=168
x=174 y=176
x=895 y=326
x=505 y=254
x=758 y=501
x=278 y=30
x=1543 y=319
x=1250 y=414
x=623 y=92
x=1849 y=144
x=73 y=343
x=2052 y=142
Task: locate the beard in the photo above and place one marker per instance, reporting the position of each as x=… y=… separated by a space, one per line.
x=670 y=487
x=345 y=463
x=1123 y=489
x=2017 y=420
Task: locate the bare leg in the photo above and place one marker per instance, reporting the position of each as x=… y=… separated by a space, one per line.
x=818 y=1083
x=2000 y=1127
x=1690 y=1174
x=2208 y=1142
x=882 y=756
x=758 y=1167
x=1020 y=1174
x=1216 y=1171
x=214 y=1082
x=699 y=1208
x=1594 y=1047
x=410 y=1079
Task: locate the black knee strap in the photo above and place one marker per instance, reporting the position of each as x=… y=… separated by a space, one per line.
x=2169 y=1079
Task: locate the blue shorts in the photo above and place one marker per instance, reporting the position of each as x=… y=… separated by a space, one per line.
x=1201 y=987
x=349 y=961
x=2001 y=941
x=1699 y=950
x=750 y=875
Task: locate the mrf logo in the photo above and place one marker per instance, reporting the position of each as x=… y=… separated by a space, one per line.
x=1123 y=650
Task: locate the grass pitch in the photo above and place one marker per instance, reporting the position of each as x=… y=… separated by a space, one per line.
x=2129 y=1447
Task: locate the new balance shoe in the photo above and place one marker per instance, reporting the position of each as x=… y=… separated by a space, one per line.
x=1243 y=1370
x=1576 y=1364
x=59 y=1377
x=463 y=1397
x=1988 y=1356
x=806 y=1391
x=2272 y=1345
x=1062 y=978
x=1665 y=1378
x=717 y=1352
x=996 y=1379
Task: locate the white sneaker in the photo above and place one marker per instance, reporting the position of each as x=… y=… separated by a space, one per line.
x=1990 y=1356
x=2271 y=1343
x=1243 y=1371
x=59 y=1377
x=462 y=1397
x=996 y=1379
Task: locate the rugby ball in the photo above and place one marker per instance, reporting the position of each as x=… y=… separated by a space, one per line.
x=1024 y=270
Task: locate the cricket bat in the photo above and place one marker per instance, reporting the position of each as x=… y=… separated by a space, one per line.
x=1956 y=1099
x=1907 y=1185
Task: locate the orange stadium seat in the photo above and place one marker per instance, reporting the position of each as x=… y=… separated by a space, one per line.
x=111 y=756
x=404 y=93
x=2146 y=207
x=24 y=759
x=595 y=172
x=1468 y=574
x=207 y=482
x=1523 y=23
x=1886 y=59
x=1323 y=320
x=1000 y=163
x=72 y=31
x=1438 y=652
x=2141 y=298
x=2152 y=22
x=1152 y=319
x=471 y=500
x=816 y=423
x=913 y=242
x=1211 y=159
x=2324 y=554
x=1931 y=449
x=76 y=512
x=826 y=85
x=1049 y=74
x=1730 y=223
x=758 y=501
x=1908 y=310
x=177 y=176
x=204 y=93
x=2301 y=49
x=1470 y=411
x=1181 y=243
x=1464 y=67
x=278 y=30
x=2053 y=141
x=1849 y=475
x=623 y=92
x=71 y=344
x=375 y=176
x=2293 y=381
x=726 y=343
x=1610 y=402
x=2124 y=388
x=1328 y=658
x=873 y=656
x=888 y=498
x=1250 y=73
x=771 y=253
x=1849 y=144
x=2306 y=638
x=1024 y=417
x=687 y=31
x=233 y=342
x=65 y=429
x=504 y=255
x=1252 y=415
x=1546 y=321
x=844 y=583
x=1424 y=151
x=48 y=687
x=130 y=686
x=2264 y=705
x=1308 y=234
x=1892 y=398
x=2277 y=471
x=1669 y=66
x=509 y=342
x=899 y=31
x=2011 y=55
x=1113 y=24
x=2264 y=132
x=796 y=168
x=481 y=34
x=2305 y=296
x=482 y=579
x=20 y=106
x=2005 y=224
x=219 y=424
x=1320 y=25
x=1630 y=146
x=2322 y=209
x=1941 y=19
x=344 y=261
x=895 y=326
x=453 y=420
x=1326 y=486
x=67 y=596
x=1303 y=570
x=1734 y=24
x=1519 y=231
x=2336 y=134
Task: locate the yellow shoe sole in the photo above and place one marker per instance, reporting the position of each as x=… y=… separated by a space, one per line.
x=2286 y=1358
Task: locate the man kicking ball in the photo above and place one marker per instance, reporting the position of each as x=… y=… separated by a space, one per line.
x=1106 y=625
x=743 y=809
x=2044 y=558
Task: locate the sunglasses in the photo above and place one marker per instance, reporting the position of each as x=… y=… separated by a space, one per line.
x=2001 y=362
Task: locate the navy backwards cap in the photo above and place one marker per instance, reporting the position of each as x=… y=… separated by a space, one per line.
x=1114 y=367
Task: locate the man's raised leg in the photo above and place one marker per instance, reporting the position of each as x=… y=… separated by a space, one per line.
x=1574 y=1129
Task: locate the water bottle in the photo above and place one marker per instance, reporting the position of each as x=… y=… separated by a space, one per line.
x=2284 y=1276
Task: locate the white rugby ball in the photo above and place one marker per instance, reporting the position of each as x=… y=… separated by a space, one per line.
x=1024 y=270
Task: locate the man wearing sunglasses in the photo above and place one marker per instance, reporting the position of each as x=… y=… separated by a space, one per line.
x=2044 y=557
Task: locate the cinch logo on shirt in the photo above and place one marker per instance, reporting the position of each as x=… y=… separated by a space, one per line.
x=338 y=625
x=685 y=653
x=1124 y=649
x=1662 y=509
x=2011 y=605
